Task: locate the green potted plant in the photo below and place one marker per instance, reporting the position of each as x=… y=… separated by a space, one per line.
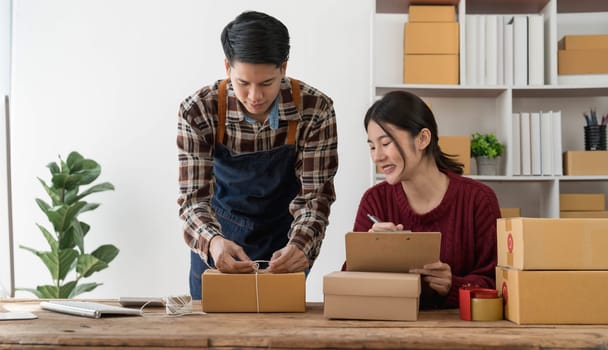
x=486 y=148
x=67 y=252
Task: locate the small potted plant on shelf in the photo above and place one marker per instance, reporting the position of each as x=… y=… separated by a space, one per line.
x=486 y=149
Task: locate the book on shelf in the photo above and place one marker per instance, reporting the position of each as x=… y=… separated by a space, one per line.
x=481 y=50
x=471 y=49
x=535 y=147
x=508 y=50
x=526 y=153
x=546 y=140
x=516 y=144
x=536 y=47
x=556 y=125
x=491 y=45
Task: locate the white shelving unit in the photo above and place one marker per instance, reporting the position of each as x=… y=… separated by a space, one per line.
x=463 y=109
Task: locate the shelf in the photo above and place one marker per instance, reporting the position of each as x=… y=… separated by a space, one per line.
x=505 y=6
x=560 y=91
x=565 y=6
x=442 y=90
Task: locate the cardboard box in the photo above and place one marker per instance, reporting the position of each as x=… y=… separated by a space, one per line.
x=224 y=292
x=431 y=13
x=582 y=201
x=553 y=244
x=583 y=214
x=586 y=162
x=459 y=146
x=430 y=69
x=553 y=297
x=582 y=61
x=371 y=295
x=583 y=42
x=431 y=38
x=510 y=212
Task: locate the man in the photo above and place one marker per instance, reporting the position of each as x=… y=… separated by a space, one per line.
x=257 y=157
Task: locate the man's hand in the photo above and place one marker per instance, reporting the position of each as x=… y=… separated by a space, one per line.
x=438 y=275
x=288 y=259
x=229 y=257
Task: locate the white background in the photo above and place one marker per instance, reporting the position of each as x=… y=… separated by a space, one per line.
x=105 y=78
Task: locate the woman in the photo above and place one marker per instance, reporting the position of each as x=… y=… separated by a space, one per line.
x=424 y=191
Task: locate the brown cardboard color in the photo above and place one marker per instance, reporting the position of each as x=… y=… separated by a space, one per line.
x=510 y=212
x=459 y=146
x=421 y=13
x=552 y=244
x=582 y=61
x=582 y=201
x=430 y=69
x=586 y=162
x=437 y=38
x=583 y=42
x=224 y=292
x=371 y=295
x=583 y=214
x=391 y=251
x=553 y=297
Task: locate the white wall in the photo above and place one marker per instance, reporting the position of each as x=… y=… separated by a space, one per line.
x=105 y=77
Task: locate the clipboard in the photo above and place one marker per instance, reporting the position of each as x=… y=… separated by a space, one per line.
x=391 y=251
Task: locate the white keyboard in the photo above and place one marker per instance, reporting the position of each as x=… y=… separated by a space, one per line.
x=87 y=308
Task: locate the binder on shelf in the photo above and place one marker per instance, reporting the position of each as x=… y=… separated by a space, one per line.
x=526 y=153
x=500 y=54
x=516 y=144
x=556 y=125
x=491 y=49
x=536 y=47
x=471 y=49
x=546 y=141
x=481 y=50
x=508 y=50
x=535 y=143
x=520 y=50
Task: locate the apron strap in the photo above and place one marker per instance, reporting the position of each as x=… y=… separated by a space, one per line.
x=221 y=112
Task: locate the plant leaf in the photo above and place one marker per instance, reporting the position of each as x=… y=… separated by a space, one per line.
x=66 y=290
x=55 y=197
x=106 y=253
x=82 y=288
x=88 y=264
x=43 y=205
x=106 y=186
x=89 y=172
x=74 y=161
x=62 y=216
x=71 y=196
x=71 y=238
x=31 y=290
x=48 y=291
x=53 y=167
x=89 y=207
x=49 y=238
x=66 y=262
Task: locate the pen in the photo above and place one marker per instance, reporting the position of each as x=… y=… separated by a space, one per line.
x=373 y=218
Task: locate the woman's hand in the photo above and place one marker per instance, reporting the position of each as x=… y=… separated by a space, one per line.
x=438 y=275
x=385 y=227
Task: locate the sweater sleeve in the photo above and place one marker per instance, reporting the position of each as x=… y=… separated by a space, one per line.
x=485 y=212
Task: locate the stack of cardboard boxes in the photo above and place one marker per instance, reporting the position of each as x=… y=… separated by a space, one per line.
x=553 y=271
x=582 y=205
x=431 y=45
x=583 y=54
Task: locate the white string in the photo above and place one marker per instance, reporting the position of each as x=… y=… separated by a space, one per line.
x=256 y=269
x=179 y=305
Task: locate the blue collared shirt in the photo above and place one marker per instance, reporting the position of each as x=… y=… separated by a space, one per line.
x=273 y=117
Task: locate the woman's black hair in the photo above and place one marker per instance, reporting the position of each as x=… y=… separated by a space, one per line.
x=255 y=37
x=408 y=112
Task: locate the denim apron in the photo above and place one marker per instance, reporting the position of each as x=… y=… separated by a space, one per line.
x=252 y=194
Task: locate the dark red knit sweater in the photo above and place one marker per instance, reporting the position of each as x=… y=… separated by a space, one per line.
x=466 y=218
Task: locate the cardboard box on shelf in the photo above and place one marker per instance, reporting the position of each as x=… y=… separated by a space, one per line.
x=553 y=297
x=459 y=146
x=423 y=38
x=430 y=69
x=371 y=295
x=553 y=244
x=510 y=212
x=582 y=61
x=583 y=42
x=582 y=163
x=261 y=292
x=431 y=13
x=583 y=214
x=582 y=201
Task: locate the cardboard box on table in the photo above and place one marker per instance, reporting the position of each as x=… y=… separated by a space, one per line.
x=553 y=297
x=510 y=212
x=586 y=162
x=553 y=244
x=261 y=292
x=371 y=295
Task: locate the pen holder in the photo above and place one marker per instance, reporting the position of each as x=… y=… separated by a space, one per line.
x=595 y=138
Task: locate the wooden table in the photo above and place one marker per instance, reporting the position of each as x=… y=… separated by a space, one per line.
x=310 y=330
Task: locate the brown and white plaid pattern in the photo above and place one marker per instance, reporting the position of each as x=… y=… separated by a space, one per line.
x=316 y=163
